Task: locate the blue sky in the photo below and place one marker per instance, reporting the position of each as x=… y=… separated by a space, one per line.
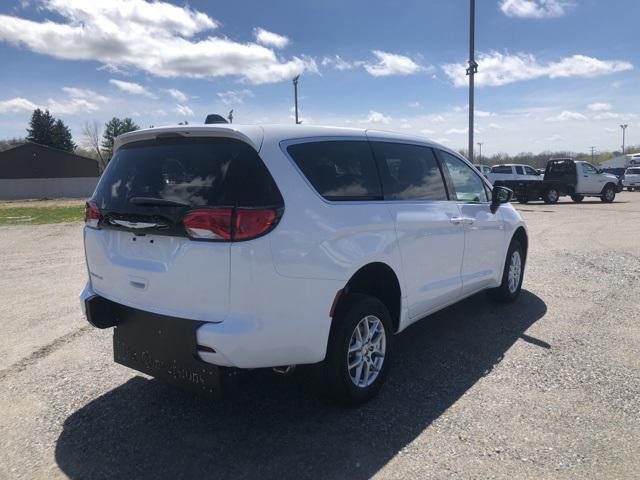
x=553 y=74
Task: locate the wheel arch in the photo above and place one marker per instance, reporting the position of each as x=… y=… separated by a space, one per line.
x=378 y=280
x=520 y=234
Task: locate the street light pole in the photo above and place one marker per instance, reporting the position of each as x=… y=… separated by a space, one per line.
x=624 y=128
x=471 y=71
x=480 y=152
x=295 y=96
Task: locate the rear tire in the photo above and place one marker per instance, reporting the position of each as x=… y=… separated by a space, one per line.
x=551 y=196
x=361 y=338
x=608 y=194
x=577 y=198
x=512 y=275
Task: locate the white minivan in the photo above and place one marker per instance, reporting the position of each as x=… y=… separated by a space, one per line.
x=271 y=246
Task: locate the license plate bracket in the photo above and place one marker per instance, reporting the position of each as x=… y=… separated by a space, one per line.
x=165 y=348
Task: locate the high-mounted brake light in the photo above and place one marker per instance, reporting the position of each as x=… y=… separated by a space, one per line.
x=91 y=214
x=228 y=223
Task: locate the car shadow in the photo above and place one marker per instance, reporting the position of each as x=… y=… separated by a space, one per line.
x=272 y=426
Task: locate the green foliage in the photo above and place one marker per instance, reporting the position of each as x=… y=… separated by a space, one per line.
x=37 y=215
x=47 y=130
x=112 y=129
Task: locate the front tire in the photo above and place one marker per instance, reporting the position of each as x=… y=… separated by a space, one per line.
x=512 y=275
x=608 y=194
x=359 y=350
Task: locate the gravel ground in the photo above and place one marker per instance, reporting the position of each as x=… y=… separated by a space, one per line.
x=548 y=387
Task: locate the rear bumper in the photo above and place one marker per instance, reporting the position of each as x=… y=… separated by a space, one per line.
x=241 y=340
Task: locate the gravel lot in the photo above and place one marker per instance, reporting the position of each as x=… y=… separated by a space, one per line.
x=548 y=387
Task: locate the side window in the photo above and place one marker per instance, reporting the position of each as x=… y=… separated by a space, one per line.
x=467 y=184
x=409 y=172
x=530 y=171
x=519 y=170
x=588 y=168
x=339 y=170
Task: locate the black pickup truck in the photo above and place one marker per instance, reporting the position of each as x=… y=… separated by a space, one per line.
x=566 y=177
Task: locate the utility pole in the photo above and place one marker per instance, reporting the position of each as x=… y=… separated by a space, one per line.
x=593 y=151
x=480 y=152
x=230 y=117
x=624 y=129
x=295 y=96
x=471 y=71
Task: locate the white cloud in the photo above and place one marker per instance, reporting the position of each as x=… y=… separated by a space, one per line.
x=533 y=8
x=270 y=39
x=555 y=138
x=599 y=107
x=391 y=64
x=131 y=88
x=377 y=117
x=566 y=115
x=79 y=100
x=414 y=105
x=495 y=126
x=177 y=94
x=156 y=37
x=426 y=131
x=482 y=113
x=337 y=62
x=16 y=105
x=234 y=97
x=496 y=69
x=457 y=131
x=183 y=110
x=75 y=92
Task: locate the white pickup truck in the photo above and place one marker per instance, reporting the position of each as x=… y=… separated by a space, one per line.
x=513 y=171
x=631 y=179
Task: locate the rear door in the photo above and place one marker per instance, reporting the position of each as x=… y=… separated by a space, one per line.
x=430 y=237
x=484 y=230
x=141 y=254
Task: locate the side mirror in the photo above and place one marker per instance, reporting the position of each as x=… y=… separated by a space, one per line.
x=500 y=195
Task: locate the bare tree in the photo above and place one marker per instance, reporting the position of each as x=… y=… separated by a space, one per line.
x=92 y=132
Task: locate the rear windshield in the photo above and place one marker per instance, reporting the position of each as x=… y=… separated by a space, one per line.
x=633 y=171
x=501 y=169
x=196 y=172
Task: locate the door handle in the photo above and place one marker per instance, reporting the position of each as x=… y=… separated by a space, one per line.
x=464 y=220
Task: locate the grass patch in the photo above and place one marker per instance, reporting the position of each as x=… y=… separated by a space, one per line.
x=41 y=215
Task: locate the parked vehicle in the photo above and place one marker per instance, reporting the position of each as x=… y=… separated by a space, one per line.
x=631 y=179
x=567 y=177
x=513 y=172
x=270 y=246
x=483 y=169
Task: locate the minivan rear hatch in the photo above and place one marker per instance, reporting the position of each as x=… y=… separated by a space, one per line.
x=161 y=221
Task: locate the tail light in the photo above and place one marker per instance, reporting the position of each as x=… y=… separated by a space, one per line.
x=229 y=224
x=92 y=214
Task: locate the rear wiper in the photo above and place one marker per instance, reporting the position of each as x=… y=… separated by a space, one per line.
x=157 y=201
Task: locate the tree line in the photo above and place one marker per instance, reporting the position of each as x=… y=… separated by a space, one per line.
x=47 y=130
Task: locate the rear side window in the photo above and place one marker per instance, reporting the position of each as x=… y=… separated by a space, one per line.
x=193 y=172
x=339 y=170
x=409 y=172
x=467 y=184
x=501 y=169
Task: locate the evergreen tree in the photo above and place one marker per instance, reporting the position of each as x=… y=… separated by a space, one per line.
x=46 y=130
x=62 y=137
x=112 y=129
x=41 y=127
